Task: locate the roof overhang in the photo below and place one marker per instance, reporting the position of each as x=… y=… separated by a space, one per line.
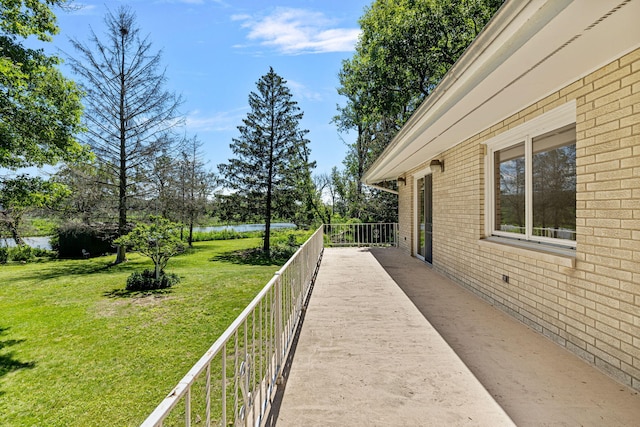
x=529 y=50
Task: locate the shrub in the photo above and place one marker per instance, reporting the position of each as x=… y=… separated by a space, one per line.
x=71 y=238
x=21 y=253
x=146 y=281
x=43 y=253
x=4 y=255
x=226 y=234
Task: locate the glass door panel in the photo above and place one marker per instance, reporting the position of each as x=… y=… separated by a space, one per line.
x=428 y=218
x=420 y=219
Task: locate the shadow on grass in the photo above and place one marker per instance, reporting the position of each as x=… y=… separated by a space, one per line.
x=64 y=268
x=193 y=249
x=124 y=293
x=251 y=257
x=8 y=362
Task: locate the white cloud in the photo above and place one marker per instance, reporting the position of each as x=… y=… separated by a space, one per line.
x=221 y=121
x=301 y=91
x=83 y=8
x=296 y=31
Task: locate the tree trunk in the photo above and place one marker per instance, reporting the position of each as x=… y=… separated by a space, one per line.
x=267 y=222
x=12 y=226
x=121 y=254
x=122 y=188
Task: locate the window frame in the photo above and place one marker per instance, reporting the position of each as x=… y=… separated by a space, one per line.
x=552 y=120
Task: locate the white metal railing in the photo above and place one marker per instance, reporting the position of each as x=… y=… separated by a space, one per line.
x=234 y=382
x=370 y=234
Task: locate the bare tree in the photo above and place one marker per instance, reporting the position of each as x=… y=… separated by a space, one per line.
x=128 y=113
x=196 y=184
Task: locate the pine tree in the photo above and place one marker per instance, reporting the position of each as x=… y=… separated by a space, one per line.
x=268 y=151
x=129 y=116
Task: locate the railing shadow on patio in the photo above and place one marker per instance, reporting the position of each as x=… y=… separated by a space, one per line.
x=235 y=381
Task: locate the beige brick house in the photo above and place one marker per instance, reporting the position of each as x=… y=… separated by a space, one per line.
x=519 y=177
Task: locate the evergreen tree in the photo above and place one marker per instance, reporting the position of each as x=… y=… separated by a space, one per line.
x=128 y=113
x=270 y=151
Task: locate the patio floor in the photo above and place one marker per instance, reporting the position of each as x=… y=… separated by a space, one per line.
x=387 y=341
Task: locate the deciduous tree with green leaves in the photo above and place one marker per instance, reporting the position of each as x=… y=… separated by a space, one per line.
x=39 y=111
x=23 y=193
x=195 y=184
x=39 y=108
x=159 y=239
x=270 y=152
x=405 y=49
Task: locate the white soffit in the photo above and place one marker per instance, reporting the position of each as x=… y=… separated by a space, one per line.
x=536 y=48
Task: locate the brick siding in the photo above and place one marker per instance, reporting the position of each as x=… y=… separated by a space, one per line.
x=593 y=309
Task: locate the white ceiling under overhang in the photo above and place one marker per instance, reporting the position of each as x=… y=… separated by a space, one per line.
x=528 y=51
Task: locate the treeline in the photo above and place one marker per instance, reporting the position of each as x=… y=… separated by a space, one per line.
x=119 y=135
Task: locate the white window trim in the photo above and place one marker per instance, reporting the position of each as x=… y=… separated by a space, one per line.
x=547 y=122
x=416 y=238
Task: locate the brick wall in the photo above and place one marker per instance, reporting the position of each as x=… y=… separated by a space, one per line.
x=405 y=215
x=593 y=309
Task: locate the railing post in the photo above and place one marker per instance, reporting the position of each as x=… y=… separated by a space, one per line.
x=278 y=288
x=187 y=408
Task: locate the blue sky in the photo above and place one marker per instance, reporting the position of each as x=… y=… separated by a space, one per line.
x=216 y=50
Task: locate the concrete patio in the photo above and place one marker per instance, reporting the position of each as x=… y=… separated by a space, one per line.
x=387 y=341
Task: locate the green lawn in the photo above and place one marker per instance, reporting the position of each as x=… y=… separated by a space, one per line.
x=76 y=350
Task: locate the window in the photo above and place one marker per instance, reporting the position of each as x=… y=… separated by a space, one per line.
x=532 y=180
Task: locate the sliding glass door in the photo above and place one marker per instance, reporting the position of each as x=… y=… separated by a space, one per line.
x=424 y=219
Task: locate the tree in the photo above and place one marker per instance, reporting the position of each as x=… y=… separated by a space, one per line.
x=326 y=196
x=405 y=49
x=19 y=195
x=269 y=149
x=181 y=185
x=128 y=113
x=89 y=198
x=235 y=208
x=39 y=108
x=196 y=184
x=158 y=240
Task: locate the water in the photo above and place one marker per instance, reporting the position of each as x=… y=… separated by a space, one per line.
x=44 y=242
x=243 y=228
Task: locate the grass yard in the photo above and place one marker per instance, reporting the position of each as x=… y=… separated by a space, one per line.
x=76 y=350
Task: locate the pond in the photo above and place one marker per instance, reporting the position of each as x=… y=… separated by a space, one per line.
x=243 y=228
x=44 y=241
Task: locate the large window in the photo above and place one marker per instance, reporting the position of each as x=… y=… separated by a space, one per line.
x=533 y=180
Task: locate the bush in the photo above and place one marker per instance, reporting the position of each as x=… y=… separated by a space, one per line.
x=71 y=238
x=146 y=281
x=4 y=255
x=226 y=234
x=43 y=253
x=21 y=253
